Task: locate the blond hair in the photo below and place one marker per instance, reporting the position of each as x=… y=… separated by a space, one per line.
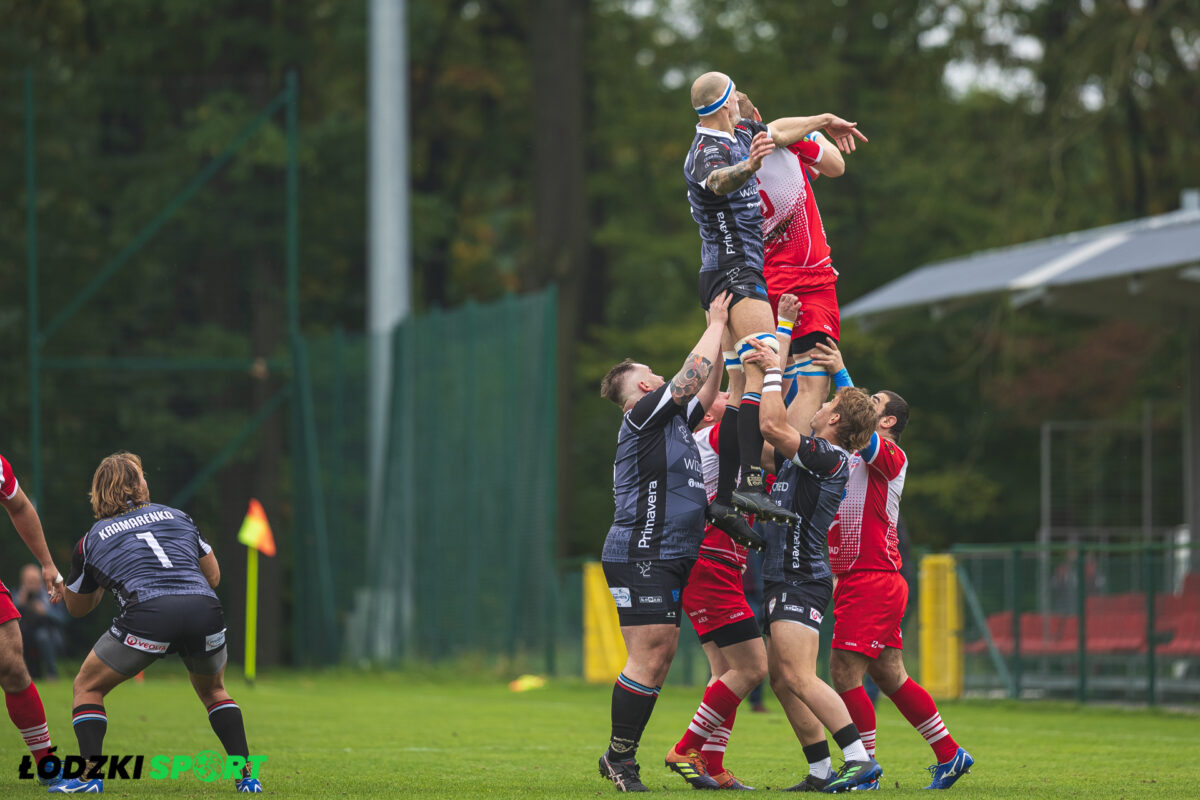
x=117 y=485
x=858 y=418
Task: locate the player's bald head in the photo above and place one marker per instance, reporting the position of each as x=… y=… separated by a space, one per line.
x=708 y=88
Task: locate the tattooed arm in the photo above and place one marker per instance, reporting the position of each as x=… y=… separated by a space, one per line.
x=730 y=179
x=697 y=377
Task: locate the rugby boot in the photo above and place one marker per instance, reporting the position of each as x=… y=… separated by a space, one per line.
x=53 y=780
x=868 y=786
x=811 y=783
x=625 y=775
x=76 y=786
x=854 y=773
x=945 y=774
x=751 y=497
x=730 y=520
x=693 y=767
x=726 y=780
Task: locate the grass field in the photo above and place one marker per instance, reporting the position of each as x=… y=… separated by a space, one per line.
x=346 y=734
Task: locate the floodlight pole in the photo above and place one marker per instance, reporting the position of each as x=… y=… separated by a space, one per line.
x=388 y=283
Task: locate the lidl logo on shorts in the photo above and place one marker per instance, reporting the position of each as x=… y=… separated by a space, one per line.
x=814 y=615
x=215 y=640
x=621 y=597
x=145 y=645
x=207 y=766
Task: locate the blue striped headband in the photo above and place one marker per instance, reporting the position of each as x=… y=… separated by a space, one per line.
x=713 y=106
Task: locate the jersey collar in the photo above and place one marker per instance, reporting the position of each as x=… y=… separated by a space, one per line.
x=713 y=132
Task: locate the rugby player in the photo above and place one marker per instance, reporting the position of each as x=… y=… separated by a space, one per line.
x=658 y=492
x=725 y=153
x=162 y=572
x=811 y=474
x=797 y=257
x=716 y=604
x=871 y=595
x=20 y=695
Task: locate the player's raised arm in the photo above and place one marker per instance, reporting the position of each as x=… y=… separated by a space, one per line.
x=788 y=130
x=829 y=160
x=729 y=179
x=698 y=366
x=772 y=414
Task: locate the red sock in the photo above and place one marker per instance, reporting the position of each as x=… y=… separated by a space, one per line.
x=26 y=712
x=921 y=712
x=718 y=703
x=714 y=749
x=862 y=714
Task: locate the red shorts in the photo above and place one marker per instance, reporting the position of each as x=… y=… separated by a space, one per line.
x=819 y=311
x=868 y=606
x=714 y=597
x=7 y=610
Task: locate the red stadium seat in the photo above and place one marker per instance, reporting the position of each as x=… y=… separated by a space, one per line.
x=1000 y=626
x=1186 y=641
x=1039 y=632
x=1122 y=632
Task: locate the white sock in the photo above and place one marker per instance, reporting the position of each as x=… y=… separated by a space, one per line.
x=856 y=752
x=822 y=769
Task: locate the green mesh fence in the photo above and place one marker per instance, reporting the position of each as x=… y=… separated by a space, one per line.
x=1090 y=622
x=462 y=560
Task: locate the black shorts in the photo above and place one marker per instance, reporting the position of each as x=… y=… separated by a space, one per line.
x=648 y=592
x=804 y=603
x=734 y=633
x=740 y=281
x=192 y=625
x=808 y=341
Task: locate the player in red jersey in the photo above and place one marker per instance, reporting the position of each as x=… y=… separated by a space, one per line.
x=715 y=602
x=871 y=595
x=20 y=695
x=797 y=256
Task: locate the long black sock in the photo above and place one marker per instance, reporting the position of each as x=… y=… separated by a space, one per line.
x=817 y=752
x=90 y=723
x=846 y=736
x=750 y=438
x=226 y=720
x=649 y=711
x=728 y=459
x=631 y=706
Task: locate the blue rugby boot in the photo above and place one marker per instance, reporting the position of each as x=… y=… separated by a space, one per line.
x=945 y=774
x=76 y=786
x=855 y=773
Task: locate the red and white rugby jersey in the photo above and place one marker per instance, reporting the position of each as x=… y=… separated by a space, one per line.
x=793 y=236
x=716 y=542
x=8 y=481
x=863 y=534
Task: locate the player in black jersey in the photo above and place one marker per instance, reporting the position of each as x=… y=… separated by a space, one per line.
x=658 y=524
x=811 y=475
x=162 y=573
x=725 y=154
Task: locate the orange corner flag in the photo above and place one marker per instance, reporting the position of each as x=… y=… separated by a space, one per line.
x=256 y=531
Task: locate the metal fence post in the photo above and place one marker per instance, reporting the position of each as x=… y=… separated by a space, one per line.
x=1013 y=585
x=1081 y=593
x=1148 y=576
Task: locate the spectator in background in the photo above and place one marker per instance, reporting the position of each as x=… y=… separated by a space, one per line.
x=41 y=623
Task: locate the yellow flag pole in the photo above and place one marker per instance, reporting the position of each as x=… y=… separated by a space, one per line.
x=251 y=611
